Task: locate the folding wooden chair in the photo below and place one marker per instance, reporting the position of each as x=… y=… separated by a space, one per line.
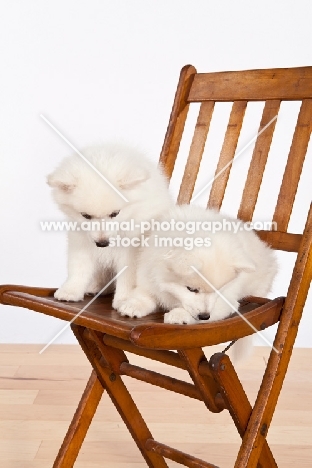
x=104 y=335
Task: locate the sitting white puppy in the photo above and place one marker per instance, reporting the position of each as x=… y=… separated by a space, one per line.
x=200 y=275
x=84 y=197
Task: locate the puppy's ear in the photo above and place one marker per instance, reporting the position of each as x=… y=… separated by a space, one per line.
x=61 y=180
x=133 y=178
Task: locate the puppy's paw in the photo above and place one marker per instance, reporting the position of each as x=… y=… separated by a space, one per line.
x=70 y=294
x=179 y=316
x=132 y=309
x=118 y=302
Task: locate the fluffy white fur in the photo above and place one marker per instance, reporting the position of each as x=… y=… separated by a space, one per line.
x=77 y=189
x=237 y=265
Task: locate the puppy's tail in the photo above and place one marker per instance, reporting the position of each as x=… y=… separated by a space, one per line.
x=242 y=349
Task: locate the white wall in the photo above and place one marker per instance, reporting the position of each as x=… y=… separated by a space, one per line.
x=101 y=70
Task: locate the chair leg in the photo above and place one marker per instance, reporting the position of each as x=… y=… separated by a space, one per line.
x=237 y=402
x=80 y=423
x=205 y=383
x=106 y=362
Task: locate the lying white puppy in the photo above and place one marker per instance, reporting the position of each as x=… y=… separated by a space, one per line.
x=204 y=282
x=83 y=195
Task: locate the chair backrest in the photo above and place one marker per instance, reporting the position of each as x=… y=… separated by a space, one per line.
x=271 y=86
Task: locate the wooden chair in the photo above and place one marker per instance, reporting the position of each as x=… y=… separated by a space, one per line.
x=104 y=335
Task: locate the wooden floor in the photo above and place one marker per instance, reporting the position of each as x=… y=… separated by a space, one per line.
x=39 y=394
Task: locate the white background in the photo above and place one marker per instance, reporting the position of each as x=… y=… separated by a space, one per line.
x=105 y=70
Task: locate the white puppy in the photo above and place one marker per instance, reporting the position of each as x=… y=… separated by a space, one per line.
x=84 y=197
x=200 y=275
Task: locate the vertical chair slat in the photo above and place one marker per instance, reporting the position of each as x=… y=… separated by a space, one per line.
x=294 y=165
x=258 y=161
x=196 y=152
x=227 y=154
x=177 y=120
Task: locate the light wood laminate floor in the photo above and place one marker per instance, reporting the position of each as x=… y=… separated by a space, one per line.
x=39 y=394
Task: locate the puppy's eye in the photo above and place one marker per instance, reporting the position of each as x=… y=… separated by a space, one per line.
x=114 y=214
x=194 y=290
x=86 y=215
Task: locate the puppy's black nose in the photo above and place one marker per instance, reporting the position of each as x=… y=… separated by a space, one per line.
x=204 y=316
x=103 y=243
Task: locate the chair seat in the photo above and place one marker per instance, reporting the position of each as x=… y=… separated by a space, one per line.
x=148 y=331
